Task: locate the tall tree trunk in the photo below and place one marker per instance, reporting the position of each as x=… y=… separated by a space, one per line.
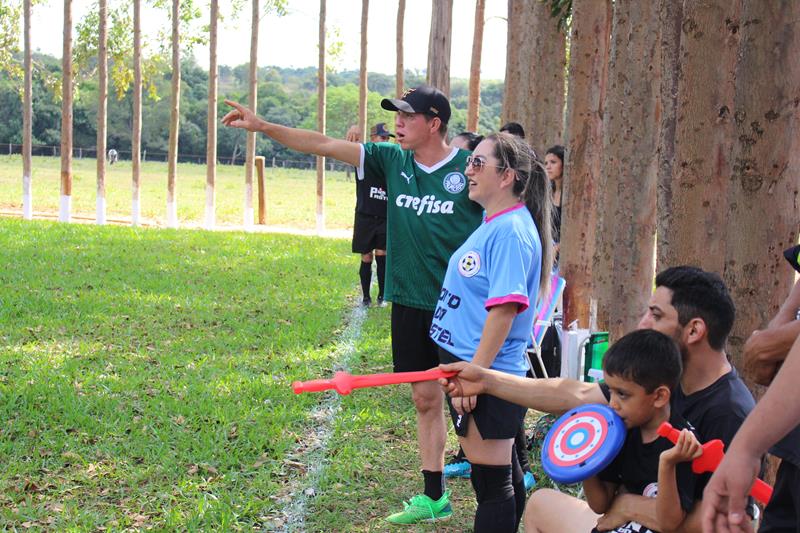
x=211 y=144
x=671 y=21
x=441 y=35
x=399 y=81
x=625 y=248
x=582 y=196
x=174 y=118
x=474 y=106
x=250 y=156
x=696 y=215
x=65 y=209
x=27 y=117
x=321 y=96
x=535 y=63
x=763 y=193
x=362 y=76
x=136 y=134
x=102 y=106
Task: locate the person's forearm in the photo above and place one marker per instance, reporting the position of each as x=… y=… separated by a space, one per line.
x=598 y=494
x=775 y=414
x=312 y=142
x=495 y=331
x=668 y=503
x=638 y=509
x=788 y=310
x=553 y=395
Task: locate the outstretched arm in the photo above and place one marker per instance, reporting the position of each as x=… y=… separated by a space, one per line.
x=306 y=141
x=554 y=395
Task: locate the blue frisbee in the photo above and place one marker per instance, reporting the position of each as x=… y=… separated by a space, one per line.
x=582 y=442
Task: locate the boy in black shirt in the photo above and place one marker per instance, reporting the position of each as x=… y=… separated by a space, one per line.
x=641 y=370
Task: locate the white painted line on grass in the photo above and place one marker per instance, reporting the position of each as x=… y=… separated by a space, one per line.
x=312 y=452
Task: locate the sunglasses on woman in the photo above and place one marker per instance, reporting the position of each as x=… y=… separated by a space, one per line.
x=477 y=163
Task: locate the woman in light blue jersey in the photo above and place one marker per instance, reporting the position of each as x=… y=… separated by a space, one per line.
x=485 y=314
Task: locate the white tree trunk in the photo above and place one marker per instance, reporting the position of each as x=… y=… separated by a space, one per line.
x=174 y=122
x=65 y=207
x=27 y=119
x=136 y=134
x=211 y=146
x=321 y=95
x=102 y=103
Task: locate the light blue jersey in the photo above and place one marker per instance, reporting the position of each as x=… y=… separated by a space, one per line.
x=499 y=263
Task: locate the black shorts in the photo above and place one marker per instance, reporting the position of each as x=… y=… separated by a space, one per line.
x=412 y=347
x=369 y=233
x=495 y=418
x=782 y=514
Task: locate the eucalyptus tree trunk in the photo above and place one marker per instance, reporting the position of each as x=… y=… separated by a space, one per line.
x=136 y=133
x=321 y=96
x=441 y=35
x=399 y=72
x=535 y=63
x=671 y=28
x=65 y=208
x=583 y=193
x=250 y=155
x=764 y=217
x=694 y=231
x=362 y=76
x=625 y=247
x=27 y=117
x=174 y=119
x=474 y=106
x=102 y=106
x=211 y=141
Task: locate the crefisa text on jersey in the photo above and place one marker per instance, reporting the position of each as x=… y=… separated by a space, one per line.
x=426 y=204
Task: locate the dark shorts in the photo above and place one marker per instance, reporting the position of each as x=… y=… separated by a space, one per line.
x=412 y=348
x=369 y=233
x=782 y=514
x=495 y=418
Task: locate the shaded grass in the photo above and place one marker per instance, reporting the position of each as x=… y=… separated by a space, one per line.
x=144 y=374
x=290 y=193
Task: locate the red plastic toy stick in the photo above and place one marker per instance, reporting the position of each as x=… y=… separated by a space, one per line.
x=344 y=382
x=710 y=460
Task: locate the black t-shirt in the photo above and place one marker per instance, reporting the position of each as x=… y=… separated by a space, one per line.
x=716 y=411
x=788 y=448
x=371 y=195
x=636 y=468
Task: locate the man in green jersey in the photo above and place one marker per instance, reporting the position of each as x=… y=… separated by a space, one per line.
x=429 y=216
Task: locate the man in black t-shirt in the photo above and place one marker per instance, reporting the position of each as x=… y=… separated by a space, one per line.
x=369 y=226
x=693 y=307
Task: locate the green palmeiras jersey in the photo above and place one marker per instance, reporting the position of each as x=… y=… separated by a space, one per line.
x=429 y=215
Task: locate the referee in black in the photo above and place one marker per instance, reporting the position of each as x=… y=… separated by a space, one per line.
x=369 y=228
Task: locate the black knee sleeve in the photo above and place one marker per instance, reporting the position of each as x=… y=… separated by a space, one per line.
x=495 y=494
x=380 y=261
x=518 y=482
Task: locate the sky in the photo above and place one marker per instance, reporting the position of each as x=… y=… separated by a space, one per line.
x=291 y=41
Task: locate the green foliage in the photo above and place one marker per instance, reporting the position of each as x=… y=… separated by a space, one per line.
x=10 y=18
x=561 y=10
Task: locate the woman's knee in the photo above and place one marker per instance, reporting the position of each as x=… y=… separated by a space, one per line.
x=426 y=398
x=537 y=505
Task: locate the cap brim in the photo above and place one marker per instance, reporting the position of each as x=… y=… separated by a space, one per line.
x=395 y=104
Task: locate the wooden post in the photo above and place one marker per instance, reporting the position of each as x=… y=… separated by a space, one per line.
x=262 y=201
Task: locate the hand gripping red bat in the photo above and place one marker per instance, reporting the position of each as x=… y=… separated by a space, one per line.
x=710 y=459
x=344 y=382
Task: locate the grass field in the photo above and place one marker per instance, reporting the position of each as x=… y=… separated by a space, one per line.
x=144 y=384
x=291 y=194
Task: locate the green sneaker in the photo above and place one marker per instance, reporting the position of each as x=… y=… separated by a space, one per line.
x=421 y=508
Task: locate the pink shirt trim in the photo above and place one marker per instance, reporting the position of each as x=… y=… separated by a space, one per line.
x=511 y=298
x=504 y=211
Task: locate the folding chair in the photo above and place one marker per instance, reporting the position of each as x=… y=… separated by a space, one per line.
x=544 y=319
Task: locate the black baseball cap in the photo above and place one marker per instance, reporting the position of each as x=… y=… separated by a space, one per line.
x=423 y=99
x=380 y=130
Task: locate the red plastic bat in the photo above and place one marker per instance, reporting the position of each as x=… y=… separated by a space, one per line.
x=710 y=459
x=344 y=382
